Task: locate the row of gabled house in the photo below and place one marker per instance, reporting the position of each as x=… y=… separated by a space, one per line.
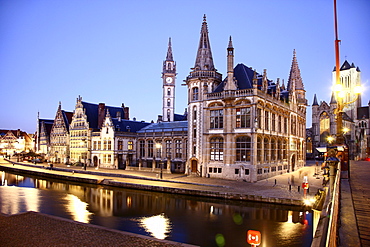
x=15 y=141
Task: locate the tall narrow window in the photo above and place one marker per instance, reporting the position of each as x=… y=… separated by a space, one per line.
x=259 y=149
x=273 y=122
x=259 y=118
x=217 y=119
x=279 y=124
x=285 y=149
x=195 y=93
x=217 y=148
x=168 y=148
x=120 y=145
x=266 y=150
x=267 y=120
x=178 y=149
x=273 y=149
x=150 y=148
x=243 y=148
x=279 y=147
x=168 y=102
x=243 y=117
x=142 y=148
x=169 y=91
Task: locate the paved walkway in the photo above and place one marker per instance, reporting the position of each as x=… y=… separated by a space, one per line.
x=37 y=229
x=285 y=186
x=360 y=185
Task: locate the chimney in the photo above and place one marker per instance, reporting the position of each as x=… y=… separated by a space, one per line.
x=126 y=112
x=101 y=114
x=160 y=119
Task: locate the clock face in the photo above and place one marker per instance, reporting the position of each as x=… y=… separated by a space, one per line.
x=169 y=79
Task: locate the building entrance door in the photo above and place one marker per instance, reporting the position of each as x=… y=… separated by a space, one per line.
x=194 y=166
x=293 y=162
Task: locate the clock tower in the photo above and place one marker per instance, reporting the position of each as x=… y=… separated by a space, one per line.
x=169 y=76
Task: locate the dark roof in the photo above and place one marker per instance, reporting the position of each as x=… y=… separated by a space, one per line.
x=92 y=112
x=363 y=112
x=165 y=127
x=179 y=117
x=346 y=66
x=128 y=125
x=67 y=118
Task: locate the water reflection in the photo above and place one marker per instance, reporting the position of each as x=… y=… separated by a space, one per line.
x=184 y=219
x=77 y=208
x=159 y=226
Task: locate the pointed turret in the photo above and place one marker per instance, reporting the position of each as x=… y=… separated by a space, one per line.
x=333 y=99
x=315 y=101
x=169 y=56
x=295 y=74
x=230 y=67
x=204 y=60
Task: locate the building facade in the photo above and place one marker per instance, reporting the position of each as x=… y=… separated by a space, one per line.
x=245 y=126
x=355 y=117
x=59 y=137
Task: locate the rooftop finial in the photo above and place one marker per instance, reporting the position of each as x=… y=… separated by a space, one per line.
x=230 y=43
x=204 y=18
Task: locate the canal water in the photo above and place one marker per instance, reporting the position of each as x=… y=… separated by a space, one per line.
x=187 y=219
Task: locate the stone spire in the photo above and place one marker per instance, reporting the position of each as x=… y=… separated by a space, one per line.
x=315 y=100
x=169 y=56
x=295 y=75
x=204 y=60
x=230 y=84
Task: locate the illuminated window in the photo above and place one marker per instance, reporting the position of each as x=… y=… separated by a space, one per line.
x=243 y=148
x=130 y=145
x=217 y=119
x=243 y=117
x=217 y=149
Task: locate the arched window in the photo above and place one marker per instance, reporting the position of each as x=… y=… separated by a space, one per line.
x=150 y=148
x=168 y=102
x=243 y=148
x=273 y=149
x=324 y=126
x=168 y=115
x=169 y=91
x=217 y=148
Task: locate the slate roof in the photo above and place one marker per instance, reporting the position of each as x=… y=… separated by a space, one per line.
x=128 y=125
x=92 y=111
x=346 y=66
x=165 y=127
x=179 y=117
x=67 y=117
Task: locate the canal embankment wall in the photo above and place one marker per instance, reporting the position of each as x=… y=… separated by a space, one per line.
x=147 y=184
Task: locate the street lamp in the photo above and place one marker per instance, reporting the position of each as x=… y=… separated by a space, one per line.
x=158 y=147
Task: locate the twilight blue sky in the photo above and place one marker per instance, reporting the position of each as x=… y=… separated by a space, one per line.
x=112 y=51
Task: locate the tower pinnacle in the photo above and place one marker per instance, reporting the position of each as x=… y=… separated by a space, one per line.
x=204 y=59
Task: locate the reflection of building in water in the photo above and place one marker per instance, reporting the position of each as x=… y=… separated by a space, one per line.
x=15 y=200
x=101 y=200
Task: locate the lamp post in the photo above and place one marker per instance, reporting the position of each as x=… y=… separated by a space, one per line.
x=340 y=97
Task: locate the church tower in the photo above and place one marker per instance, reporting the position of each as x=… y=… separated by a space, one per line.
x=202 y=80
x=350 y=77
x=169 y=76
